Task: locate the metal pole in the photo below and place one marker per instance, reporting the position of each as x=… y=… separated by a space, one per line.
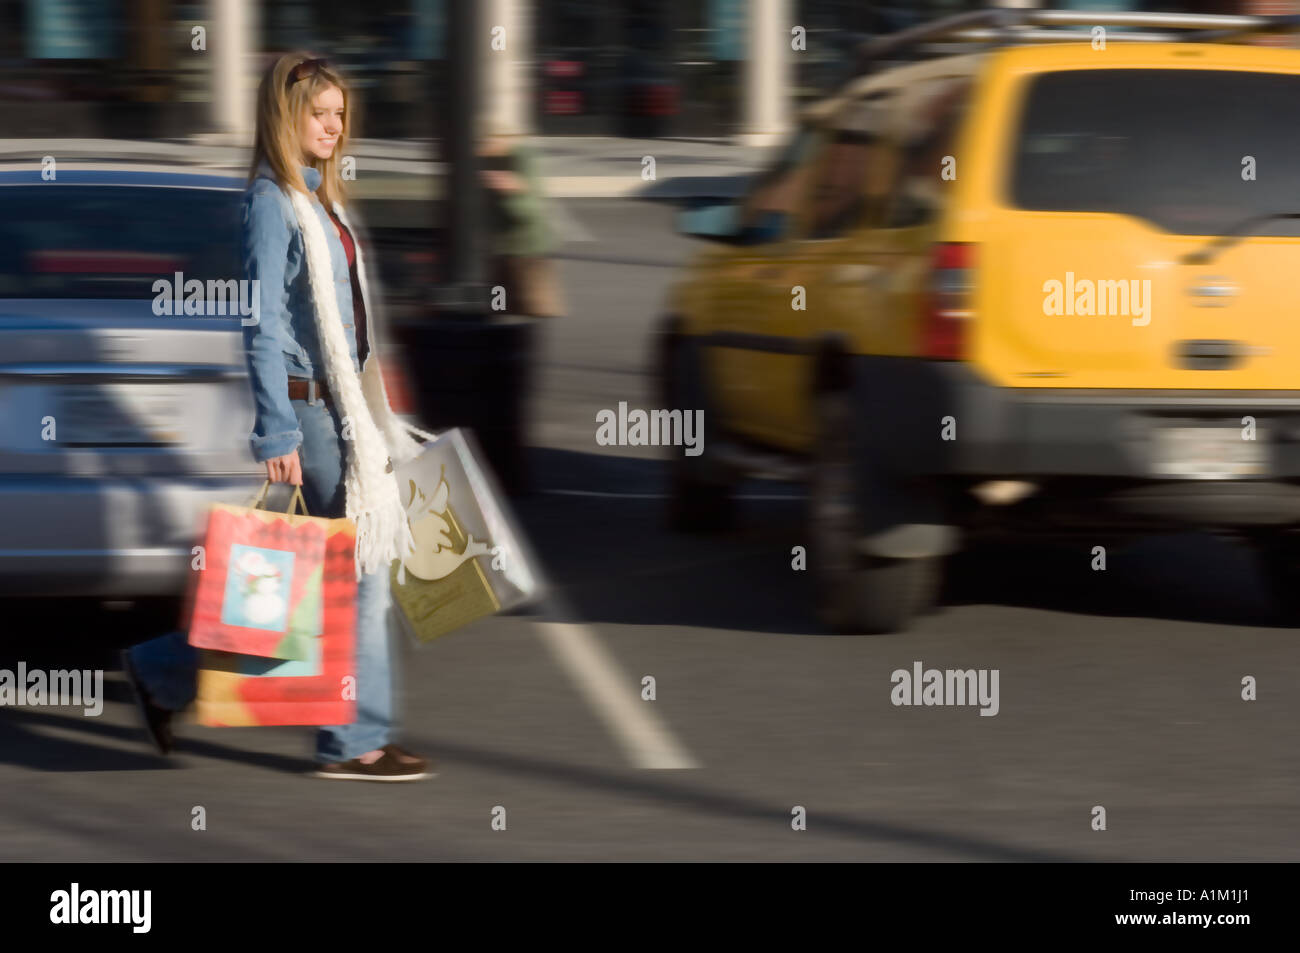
x=469 y=365
x=461 y=104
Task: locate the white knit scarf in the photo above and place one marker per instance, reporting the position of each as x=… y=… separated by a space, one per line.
x=379 y=442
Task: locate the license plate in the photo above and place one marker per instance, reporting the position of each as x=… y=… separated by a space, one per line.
x=1208 y=453
x=120 y=414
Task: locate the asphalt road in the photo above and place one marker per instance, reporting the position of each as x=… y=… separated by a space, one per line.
x=1119 y=689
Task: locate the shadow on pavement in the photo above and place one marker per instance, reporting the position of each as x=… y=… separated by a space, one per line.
x=701 y=800
x=600 y=533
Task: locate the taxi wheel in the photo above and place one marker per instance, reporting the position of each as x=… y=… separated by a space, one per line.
x=1278 y=557
x=695 y=507
x=856 y=593
x=701 y=489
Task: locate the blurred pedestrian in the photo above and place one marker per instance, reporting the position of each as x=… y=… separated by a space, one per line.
x=307 y=359
x=521 y=238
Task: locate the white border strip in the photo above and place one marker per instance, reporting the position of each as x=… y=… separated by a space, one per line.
x=664 y=496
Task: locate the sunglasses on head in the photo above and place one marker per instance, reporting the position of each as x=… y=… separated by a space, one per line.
x=303 y=70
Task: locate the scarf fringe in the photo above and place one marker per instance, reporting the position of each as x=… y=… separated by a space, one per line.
x=377 y=441
x=375 y=533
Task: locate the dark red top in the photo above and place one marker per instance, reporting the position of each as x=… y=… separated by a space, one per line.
x=358 y=303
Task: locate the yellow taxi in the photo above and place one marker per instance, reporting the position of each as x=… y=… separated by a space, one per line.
x=1048 y=285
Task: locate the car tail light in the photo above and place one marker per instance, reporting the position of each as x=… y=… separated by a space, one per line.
x=396 y=386
x=948 y=301
x=102 y=262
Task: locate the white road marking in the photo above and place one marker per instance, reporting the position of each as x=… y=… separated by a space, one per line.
x=614 y=696
x=664 y=496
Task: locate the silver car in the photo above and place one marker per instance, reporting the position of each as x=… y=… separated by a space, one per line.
x=118 y=425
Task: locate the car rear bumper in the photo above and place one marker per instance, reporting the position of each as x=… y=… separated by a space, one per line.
x=934 y=419
x=106 y=537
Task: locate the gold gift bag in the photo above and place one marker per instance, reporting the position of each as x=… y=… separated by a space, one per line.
x=471 y=560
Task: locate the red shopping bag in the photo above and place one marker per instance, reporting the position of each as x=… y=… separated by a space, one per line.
x=236 y=689
x=260 y=590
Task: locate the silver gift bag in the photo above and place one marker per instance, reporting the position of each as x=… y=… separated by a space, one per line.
x=471 y=559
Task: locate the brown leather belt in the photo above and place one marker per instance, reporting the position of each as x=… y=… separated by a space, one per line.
x=301 y=390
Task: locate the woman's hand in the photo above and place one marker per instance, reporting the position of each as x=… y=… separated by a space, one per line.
x=285 y=469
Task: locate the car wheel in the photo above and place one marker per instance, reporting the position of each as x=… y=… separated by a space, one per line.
x=856 y=593
x=701 y=489
x=1279 y=562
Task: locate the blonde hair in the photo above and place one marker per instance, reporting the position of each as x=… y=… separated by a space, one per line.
x=280 y=114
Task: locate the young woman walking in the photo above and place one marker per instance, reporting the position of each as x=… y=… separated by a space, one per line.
x=322 y=416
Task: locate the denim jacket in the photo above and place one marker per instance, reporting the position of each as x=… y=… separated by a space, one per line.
x=283 y=343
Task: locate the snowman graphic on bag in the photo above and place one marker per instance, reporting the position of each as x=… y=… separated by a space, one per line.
x=262 y=600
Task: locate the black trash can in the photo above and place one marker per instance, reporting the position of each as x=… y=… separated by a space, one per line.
x=475 y=373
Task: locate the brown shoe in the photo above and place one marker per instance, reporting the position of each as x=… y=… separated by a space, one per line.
x=386 y=768
x=412 y=761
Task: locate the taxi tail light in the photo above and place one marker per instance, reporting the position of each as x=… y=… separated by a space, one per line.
x=949 y=299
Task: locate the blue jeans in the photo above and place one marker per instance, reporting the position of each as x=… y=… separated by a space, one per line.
x=168 y=665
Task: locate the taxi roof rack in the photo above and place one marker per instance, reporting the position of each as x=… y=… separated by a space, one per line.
x=1005 y=26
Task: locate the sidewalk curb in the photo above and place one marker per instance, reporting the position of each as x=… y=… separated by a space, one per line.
x=590 y=186
x=402 y=171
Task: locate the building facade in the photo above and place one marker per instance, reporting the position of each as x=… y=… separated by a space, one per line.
x=642 y=68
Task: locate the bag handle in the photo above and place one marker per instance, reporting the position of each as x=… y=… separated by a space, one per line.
x=258 y=500
x=296 y=500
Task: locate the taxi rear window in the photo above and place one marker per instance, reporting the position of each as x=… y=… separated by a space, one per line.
x=1194 y=152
